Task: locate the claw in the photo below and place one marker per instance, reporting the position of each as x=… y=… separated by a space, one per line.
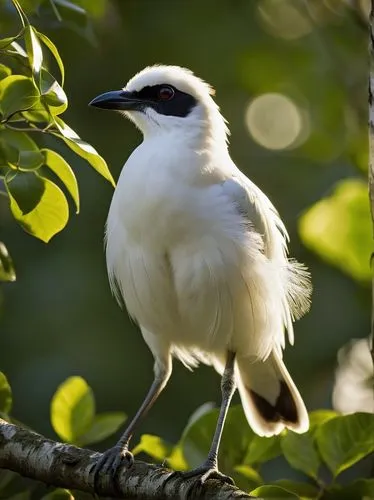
x=110 y=461
x=206 y=471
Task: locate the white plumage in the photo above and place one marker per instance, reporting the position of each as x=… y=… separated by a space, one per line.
x=198 y=254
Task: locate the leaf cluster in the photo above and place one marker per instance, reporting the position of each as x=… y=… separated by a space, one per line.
x=333 y=444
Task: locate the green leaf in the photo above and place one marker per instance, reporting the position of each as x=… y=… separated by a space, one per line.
x=53 y=94
x=301 y=453
x=361 y=489
x=34 y=52
x=83 y=149
x=176 y=459
x=7 y=272
x=63 y=171
x=103 y=426
x=237 y=435
x=304 y=490
x=4 y=71
x=154 y=446
x=268 y=491
x=5 y=394
x=24 y=495
x=344 y=440
x=319 y=417
x=25 y=189
x=338 y=228
x=58 y=494
x=50 y=215
x=6 y=42
x=19 y=149
x=72 y=409
x=52 y=47
x=249 y=473
x=17 y=93
x=30 y=5
x=262 y=449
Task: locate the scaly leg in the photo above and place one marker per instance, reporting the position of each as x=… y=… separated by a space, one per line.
x=112 y=458
x=210 y=467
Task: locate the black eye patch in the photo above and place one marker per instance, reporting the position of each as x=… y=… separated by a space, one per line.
x=179 y=104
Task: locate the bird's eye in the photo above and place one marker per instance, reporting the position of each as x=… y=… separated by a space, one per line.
x=165 y=93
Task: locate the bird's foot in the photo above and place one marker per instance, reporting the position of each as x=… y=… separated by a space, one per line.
x=207 y=470
x=111 y=459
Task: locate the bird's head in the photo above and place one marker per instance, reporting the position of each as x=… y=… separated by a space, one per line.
x=167 y=99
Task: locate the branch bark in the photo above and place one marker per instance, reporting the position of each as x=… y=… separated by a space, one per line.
x=67 y=466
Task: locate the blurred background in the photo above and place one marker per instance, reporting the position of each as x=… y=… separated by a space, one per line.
x=291 y=79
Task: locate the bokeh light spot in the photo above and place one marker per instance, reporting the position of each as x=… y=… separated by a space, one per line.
x=284 y=19
x=274 y=121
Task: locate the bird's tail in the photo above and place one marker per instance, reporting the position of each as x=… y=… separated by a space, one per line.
x=269 y=396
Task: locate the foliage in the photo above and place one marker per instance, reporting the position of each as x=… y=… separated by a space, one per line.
x=32 y=100
x=334 y=443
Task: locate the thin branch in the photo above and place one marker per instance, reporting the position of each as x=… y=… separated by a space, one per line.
x=67 y=466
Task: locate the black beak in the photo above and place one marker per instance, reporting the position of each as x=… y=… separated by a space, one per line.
x=119 y=100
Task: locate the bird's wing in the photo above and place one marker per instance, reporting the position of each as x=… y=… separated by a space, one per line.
x=262 y=216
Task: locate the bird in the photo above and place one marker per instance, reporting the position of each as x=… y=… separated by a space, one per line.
x=198 y=255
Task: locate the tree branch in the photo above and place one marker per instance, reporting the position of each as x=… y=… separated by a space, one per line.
x=67 y=466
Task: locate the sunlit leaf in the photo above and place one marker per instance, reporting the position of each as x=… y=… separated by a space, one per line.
x=103 y=426
x=273 y=492
x=25 y=190
x=72 y=409
x=301 y=453
x=344 y=440
x=34 y=52
x=19 y=149
x=50 y=215
x=53 y=94
x=154 y=446
x=17 y=93
x=6 y=42
x=5 y=394
x=338 y=228
x=58 y=494
x=62 y=169
x=262 y=449
x=52 y=47
x=7 y=272
x=303 y=490
x=249 y=473
x=176 y=459
x=83 y=149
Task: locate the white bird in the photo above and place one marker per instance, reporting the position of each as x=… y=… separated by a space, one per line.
x=198 y=254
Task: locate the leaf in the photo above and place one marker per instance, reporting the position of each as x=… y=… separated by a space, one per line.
x=343 y=441
x=16 y=146
x=338 y=228
x=176 y=459
x=17 y=93
x=237 y=435
x=4 y=71
x=6 y=42
x=63 y=171
x=154 y=446
x=24 y=495
x=301 y=453
x=50 y=215
x=25 y=189
x=268 y=491
x=318 y=417
x=304 y=490
x=361 y=489
x=103 y=426
x=7 y=272
x=262 y=449
x=5 y=394
x=83 y=149
x=58 y=494
x=53 y=94
x=72 y=409
x=29 y=160
x=34 y=52
x=249 y=473
x=52 y=47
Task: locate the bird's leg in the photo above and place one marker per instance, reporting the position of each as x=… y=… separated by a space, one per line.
x=112 y=458
x=209 y=469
